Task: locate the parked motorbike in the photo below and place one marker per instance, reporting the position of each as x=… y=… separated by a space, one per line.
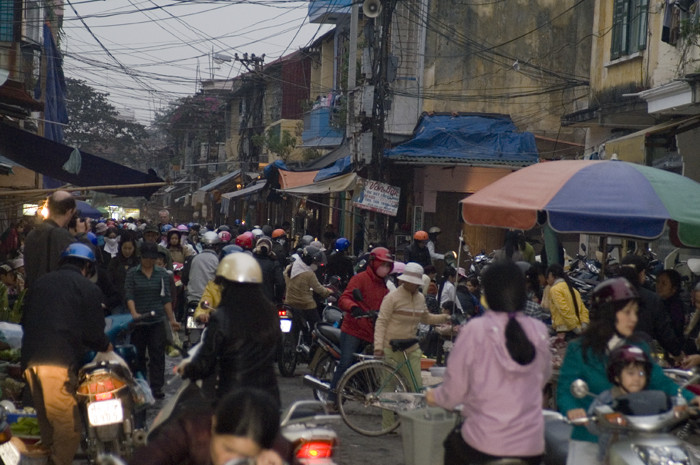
x=112 y=396
x=9 y=450
x=641 y=427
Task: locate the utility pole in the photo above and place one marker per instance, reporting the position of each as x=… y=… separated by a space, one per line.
x=252 y=122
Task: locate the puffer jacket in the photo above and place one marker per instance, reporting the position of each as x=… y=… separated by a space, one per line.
x=240 y=362
x=373 y=291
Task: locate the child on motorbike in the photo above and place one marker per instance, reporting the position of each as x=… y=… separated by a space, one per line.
x=629 y=370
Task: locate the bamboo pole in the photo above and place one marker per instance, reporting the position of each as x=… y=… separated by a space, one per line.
x=86 y=188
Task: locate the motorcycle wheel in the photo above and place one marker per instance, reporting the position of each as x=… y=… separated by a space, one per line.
x=358 y=390
x=324 y=372
x=287 y=360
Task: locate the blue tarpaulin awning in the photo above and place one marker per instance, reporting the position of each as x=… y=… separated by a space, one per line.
x=469 y=139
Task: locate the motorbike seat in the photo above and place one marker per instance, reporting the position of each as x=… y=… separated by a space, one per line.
x=399 y=345
x=329 y=331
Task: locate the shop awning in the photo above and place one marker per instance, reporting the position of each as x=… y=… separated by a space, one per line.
x=632 y=147
x=247 y=191
x=52 y=159
x=471 y=139
x=342 y=183
x=291 y=179
x=198 y=196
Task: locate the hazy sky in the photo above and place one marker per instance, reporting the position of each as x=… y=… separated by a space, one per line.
x=145 y=53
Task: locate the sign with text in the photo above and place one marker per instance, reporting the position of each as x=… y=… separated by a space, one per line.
x=378 y=197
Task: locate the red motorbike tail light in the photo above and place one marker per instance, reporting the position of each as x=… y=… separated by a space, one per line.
x=282 y=313
x=315 y=450
x=100 y=384
x=5 y=435
x=104 y=396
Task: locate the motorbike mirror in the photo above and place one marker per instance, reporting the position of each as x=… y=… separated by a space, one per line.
x=205 y=304
x=357 y=295
x=579 y=389
x=451 y=258
x=583 y=248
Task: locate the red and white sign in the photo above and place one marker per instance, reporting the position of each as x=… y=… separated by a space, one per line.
x=377 y=197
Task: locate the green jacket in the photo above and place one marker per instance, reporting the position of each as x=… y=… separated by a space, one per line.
x=594 y=372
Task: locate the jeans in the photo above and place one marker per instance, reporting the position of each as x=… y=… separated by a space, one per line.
x=151 y=338
x=349 y=346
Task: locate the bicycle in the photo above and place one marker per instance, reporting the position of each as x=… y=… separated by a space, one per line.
x=373 y=390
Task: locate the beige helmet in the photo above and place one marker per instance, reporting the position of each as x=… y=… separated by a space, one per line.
x=240 y=268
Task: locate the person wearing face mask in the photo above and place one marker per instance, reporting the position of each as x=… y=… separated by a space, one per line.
x=110 y=248
x=357 y=330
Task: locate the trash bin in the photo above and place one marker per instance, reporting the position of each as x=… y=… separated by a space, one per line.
x=423 y=432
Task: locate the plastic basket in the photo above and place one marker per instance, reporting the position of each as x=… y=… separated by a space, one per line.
x=423 y=432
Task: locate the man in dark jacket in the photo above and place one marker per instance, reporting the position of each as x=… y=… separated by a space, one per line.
x=44 y=244
x=62 y=318
x=273 y=279
x=652 y=319
x=357 y=329
x=418 y=251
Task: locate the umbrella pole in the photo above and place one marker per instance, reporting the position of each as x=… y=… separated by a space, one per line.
x=459 y=257
x=605 y=259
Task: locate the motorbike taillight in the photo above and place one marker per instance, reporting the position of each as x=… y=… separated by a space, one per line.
x=5 y=434
x=100 y=385
x=315 y=450
x=282 y=313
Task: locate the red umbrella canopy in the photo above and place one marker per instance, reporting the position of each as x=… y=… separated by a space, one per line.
x=592 y=196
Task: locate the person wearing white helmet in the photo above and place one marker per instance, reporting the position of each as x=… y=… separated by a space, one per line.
x=433 y=233
x=202 y=267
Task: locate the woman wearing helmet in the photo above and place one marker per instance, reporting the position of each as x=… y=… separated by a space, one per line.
x=613 y=321
x=418 y=251
x=241 y=340
x=339 y=264
x=357 y=330
x=302 y=284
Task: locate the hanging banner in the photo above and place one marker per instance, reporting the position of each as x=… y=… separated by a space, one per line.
x=377 y=197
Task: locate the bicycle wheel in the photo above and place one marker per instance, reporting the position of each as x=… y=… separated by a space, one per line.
x=359 y=393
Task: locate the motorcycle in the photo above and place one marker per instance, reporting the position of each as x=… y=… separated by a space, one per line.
x=112 y=396
x=10 y=453
x=304 y=424
x=641 y=427
x=326 y=340
x=193 y=328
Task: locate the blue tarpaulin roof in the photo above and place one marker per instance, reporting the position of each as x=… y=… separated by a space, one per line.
x=341 y=166
x=478 y=140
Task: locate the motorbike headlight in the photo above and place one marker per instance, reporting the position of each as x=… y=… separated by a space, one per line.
x=662 y=455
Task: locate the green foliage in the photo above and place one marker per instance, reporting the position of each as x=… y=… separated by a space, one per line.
x=310 y=154
x=281 y=145
x=94 y=126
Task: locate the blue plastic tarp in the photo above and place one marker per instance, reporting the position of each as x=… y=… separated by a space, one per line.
x=342 y=166
x=475 y=139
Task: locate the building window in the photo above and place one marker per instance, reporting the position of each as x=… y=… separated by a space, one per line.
x=7 y=16
x=629 y=31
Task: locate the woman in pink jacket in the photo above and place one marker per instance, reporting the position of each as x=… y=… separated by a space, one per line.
x=496 y=370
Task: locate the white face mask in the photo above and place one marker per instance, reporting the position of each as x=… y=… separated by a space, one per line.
x=382 y=271
x=111 y=241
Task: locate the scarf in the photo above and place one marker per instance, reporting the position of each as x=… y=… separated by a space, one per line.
x=299 y=267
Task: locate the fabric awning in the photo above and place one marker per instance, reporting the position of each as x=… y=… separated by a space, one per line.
x=471 y=139
x=48 y=158
x=291 y=179
x=342 y=183
x=632 y=147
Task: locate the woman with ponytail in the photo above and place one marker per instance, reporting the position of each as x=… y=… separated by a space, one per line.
x=497 y=369
x=569 y=314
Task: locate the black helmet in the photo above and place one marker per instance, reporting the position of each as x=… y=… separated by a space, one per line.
x=310 y=255
x=623 y=356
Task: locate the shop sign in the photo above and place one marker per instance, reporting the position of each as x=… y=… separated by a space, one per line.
x=377 y=197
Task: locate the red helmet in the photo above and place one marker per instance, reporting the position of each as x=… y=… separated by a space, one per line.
x=279 y=232
x=420 y=236
x=613 y=290
x=245 y=240
x=626 y=355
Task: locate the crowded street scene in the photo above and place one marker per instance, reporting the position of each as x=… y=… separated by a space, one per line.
x=345 y=232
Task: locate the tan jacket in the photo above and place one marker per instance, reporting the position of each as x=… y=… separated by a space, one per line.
x=301 y=289
x=399 y=316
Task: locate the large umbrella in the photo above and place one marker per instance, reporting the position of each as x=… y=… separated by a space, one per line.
x=596 y=197
x=87 y=210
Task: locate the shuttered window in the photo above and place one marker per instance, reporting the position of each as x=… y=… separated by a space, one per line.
x=629 y=30
x=7 y=16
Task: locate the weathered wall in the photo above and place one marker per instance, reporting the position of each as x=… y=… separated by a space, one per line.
x=522 y=58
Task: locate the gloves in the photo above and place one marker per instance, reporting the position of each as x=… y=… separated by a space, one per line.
x=356 y=312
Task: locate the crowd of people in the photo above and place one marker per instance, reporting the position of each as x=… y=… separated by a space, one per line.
x=493 y=331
